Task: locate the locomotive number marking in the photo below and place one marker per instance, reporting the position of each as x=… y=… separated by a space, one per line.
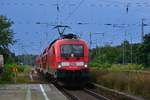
x=72 y=64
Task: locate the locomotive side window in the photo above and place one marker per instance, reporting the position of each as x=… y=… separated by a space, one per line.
x=68 y=49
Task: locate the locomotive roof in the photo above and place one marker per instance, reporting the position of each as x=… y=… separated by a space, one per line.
x=61 y=38
x=66 y=36
x=69 y=36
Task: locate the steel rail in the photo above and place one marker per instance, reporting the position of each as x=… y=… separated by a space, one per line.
x=98 y=96
x=73 y=97
x=65 y=92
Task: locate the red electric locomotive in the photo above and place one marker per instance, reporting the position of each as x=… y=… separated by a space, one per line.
x=66 y=60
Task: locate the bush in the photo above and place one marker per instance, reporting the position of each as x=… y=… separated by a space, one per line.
x=22 y=74
x=27 y=69
x=128 y=67
x=101 y=66
x=117 y=67
x=7 y=73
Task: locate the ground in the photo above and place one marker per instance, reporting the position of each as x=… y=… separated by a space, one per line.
x=30 y=92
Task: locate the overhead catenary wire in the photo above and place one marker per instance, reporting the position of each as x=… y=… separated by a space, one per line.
x=107 y=4
x=119 y=25
x=102 y=4
x=74 y=10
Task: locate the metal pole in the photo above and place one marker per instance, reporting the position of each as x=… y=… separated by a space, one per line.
x=15 y=77
x=46 y=37
x=123 y=53
x=142 y=31
x=90 y=40
x=40 y=46
x=124 y=48
x=131 y=50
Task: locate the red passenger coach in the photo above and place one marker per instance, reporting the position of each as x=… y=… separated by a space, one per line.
x=66 y=60
x=38 y=62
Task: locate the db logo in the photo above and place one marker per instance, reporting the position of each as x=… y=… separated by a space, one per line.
x=72 y=64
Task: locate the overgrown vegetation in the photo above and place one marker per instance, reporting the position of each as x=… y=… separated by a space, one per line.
x=118 y=67
x=22 y=74
x=133 y=82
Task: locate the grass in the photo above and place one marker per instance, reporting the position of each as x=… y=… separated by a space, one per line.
x=132 y=82
x=23 y=78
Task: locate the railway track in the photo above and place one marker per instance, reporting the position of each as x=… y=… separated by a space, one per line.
x=76 y=94
x=81 y=94
x=95 y=93
x=113 y=94
x=91 y=92
x=98 y=96
x=69 y=95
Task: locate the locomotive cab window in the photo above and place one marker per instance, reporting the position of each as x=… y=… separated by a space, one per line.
x=72 y=50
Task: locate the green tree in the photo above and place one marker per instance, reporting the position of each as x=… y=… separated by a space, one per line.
x=146 y=49
x=6 y=34
x=6 y=37
x=107 y=54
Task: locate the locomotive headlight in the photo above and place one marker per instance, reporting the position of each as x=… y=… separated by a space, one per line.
x=59 y=66
x=85 y=65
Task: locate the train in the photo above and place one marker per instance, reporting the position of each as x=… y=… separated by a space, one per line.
x=65 y=60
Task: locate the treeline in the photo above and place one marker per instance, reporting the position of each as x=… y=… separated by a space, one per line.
x=27 y=59
x=126 y=53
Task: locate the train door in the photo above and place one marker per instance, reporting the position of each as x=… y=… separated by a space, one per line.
x=53 y=57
